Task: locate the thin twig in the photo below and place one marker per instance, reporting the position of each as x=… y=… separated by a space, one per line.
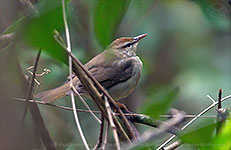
x=124 y=119
x=109 y=112
x=36 y=115
x=84 y=102
x=195 y=118
x=6 y=37
x=219 y=98
x=87 y=80
x=100 y=140
x=146 y=120
x=105 y=137
x=188 y=116
x=222 y=113
x=57 y=106
x=119 y=127
x=165 y=126
x=70 y=74
x=173 y=145
x=30 y=89
x=98 y=112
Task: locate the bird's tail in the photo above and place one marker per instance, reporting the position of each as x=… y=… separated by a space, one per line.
x=54 y=94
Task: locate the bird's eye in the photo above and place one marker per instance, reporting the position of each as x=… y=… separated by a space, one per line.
x=127 y=45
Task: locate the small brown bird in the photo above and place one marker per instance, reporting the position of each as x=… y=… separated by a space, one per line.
x=117 y=69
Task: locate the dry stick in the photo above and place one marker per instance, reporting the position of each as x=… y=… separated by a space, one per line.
x=173 y=145
x=84 y=75
x=105 y=137
x=144 y=118
x=42 y=130
x=96 y=96
x=81 y=72
x=165 y=126
x=124 y=119
x=57 y=106
x=195 y=118
x=30 y=89
x=70 y=74
x=187 y=116
x=6 y=37
x=222 y=113
x=109 y=112
x=84 y=102
x=86 y=111
x=119 y=126
x=219 y=98
x=138 y=118
x=100 y=140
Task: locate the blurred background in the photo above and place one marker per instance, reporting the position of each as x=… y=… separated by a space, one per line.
x=187 y=48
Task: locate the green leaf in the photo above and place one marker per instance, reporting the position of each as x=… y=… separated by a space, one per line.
x=38 y=30
x=107 y=17
x=200 y=138
x=223 y=140
x=144 y=147
x=160 y=103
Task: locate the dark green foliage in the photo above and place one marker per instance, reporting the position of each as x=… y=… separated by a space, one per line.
x=200 y=138
x=38 y=30
x=107 y=17
x=160 y=103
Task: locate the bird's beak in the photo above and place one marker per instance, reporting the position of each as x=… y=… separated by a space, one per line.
x=139 y=37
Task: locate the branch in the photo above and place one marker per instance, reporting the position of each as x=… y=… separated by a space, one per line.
x=109 y=112
x=78 y=67
x=6 y=37
x=70 y=74
x=195 y=118
x=100 y=140
x=105 y=137
x=42 y=130
x=173 y=145
x=84 y=102
x=31 y=85
x=146 y=120
x=165 y=126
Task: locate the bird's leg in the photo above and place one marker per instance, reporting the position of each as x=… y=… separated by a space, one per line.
x=122 y=107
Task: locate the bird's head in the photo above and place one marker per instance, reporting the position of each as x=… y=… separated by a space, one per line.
x=125 y=46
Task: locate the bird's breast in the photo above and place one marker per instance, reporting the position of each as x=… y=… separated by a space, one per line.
x=123 y=89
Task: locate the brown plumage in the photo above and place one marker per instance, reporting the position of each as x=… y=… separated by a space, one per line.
x=117 y=69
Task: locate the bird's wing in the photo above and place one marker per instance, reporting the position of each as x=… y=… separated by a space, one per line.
x=110 y=74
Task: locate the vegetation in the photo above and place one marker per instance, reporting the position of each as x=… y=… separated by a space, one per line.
x=186 y=59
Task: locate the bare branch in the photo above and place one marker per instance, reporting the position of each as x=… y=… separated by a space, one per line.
x=6 y=37
x=112 y=124
x=87 y=80
x=165 y=126
x=194 y=119
x=70 y=74
x=105 y=137
x=30 y=89
x=91 y=88
x=85 y=103
x=173 y=145
x=40 y=125
x=100 y=140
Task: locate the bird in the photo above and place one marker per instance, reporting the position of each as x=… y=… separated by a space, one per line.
x=117 y=69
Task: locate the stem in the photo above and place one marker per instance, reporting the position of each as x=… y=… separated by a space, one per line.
x=70 y=74
x=109 y=111
x=195 y=118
